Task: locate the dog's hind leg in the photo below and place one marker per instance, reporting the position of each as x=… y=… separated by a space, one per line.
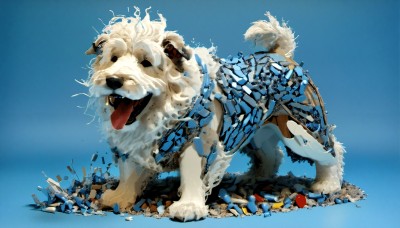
x=191 y=205
x=313 y=139
x=328 y=165
x=329 y=178
x=267 y=156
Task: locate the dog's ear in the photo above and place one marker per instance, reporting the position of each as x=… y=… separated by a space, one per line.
x=97 y=45
x=91 y=50
x=175 y=49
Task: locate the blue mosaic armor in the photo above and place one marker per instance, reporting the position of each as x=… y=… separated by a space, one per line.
x=253 y=87
x=185 y=131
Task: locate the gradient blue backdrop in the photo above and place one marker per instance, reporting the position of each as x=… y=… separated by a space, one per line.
x=351 y=49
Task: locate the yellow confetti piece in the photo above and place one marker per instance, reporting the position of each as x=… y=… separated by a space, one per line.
x=277 y=205
x=245 y=211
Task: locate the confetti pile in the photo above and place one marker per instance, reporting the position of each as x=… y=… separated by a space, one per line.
x=237 y=195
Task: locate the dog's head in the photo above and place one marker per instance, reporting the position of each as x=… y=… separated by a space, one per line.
x=142 y=74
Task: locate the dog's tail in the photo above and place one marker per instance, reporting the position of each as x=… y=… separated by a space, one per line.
x=272 y=35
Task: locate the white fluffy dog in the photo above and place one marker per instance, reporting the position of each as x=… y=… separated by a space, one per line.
x=167 y=106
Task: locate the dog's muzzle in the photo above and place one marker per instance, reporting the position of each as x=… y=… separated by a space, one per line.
x=125 y=109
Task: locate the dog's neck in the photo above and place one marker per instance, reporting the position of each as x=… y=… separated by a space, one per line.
x=198 y=115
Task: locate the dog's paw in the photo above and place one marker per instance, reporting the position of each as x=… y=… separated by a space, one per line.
x=326 y=186
x=188 y=210
x=124 y=200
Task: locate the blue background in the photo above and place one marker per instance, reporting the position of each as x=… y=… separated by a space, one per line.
x=351 y=49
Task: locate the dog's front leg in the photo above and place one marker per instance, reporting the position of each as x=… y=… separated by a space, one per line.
x=132 y=179
x=191 y=205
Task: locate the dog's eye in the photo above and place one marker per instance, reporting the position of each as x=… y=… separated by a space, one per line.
x=99 y=48
x=114 y=59
x=146 y=63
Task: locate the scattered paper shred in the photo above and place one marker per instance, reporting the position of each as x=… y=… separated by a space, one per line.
x=230 y=198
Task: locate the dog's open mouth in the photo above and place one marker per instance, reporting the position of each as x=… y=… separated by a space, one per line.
x=125 y=109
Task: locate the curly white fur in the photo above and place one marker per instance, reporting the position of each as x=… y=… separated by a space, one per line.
x=273 y=36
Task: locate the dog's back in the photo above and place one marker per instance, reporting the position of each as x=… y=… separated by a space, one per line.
x=261 y=88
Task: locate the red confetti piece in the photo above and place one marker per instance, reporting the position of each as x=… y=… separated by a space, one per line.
x=259 y=198
x=301 y=200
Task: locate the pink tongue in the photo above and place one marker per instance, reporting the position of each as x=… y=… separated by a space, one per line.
x=121 y=115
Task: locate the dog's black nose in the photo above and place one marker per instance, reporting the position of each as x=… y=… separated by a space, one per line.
x=114 y=83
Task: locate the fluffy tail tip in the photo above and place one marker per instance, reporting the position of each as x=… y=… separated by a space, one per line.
x=272 y=35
